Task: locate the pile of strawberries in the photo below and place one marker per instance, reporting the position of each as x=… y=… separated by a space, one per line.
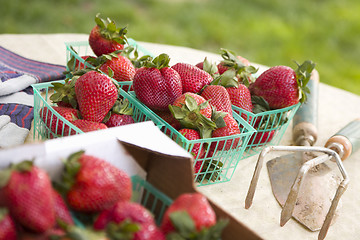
x=99 y=196
x=196 y=100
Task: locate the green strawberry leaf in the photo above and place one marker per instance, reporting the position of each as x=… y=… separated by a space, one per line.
x=303 y=75
x=183 y=223
x=5 y=175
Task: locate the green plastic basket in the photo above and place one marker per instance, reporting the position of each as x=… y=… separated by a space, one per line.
x=270 y=127
x=150 y=197
x=219 y=163
x=82 y=48
x=42 y=93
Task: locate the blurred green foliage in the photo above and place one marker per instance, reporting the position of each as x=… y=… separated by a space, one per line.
x=270 y=32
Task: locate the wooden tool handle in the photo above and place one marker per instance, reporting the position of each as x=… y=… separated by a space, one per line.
x=348 y=138
x=305 y=119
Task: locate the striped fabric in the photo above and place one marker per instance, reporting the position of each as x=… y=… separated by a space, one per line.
x=21 y=115
x=43 y=72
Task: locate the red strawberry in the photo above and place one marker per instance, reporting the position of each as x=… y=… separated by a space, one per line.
x=197 y=150
x=124 y=213
x=62 y=212
x=193 y=79
x=241 y=66
x=121 y=67
x=56 y=125
x=217 y=97
x=240 y=96
x=121 y=114
x=194 y=112
x=105 y=37
x=29 y=198
x=79 y=65
x=7 y=226
x=231 y=128
x=194 y=213
x=85 y=126
x=94 y=184
x=121 y=211
x=96 y=94
x=167 y=116
x=262 y=137
x=119 y=120
x=281 y=86
x=157 y=85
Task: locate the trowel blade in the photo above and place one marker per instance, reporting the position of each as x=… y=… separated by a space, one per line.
x=316 y=192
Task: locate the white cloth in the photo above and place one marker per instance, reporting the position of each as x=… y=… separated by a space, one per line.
x=11 y=134
x=16 y=84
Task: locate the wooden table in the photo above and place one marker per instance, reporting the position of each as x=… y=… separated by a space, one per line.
x=336 y=108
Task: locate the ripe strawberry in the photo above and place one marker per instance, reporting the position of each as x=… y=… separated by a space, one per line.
x=85 y=126
x=29 y=198
x=167 y=116
x=241 y=66
x=105 y=37
x=62 y=212
x=197 y=150
x=121 y=67
x=94 y=184
x=193 y=111
x=125 y=213
x=7 y=226
x=193 y=79
x=121 y=114
x=217 y=97
x=231 y=128
x=119 y=120
x=261 y=137
x=96 y=93
x=281 y=86
x=56 y=125
x=240 y=96
x=190 y=214
x=121 y=211
x=156 y=84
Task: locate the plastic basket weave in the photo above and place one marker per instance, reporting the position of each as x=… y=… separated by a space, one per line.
x=42 y=93
x=150 y=197
x=270 y=127
x=222 y=153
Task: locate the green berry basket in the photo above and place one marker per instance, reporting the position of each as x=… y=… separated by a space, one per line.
x=150 y=197
x=222 y=154
x=42 y=93
x=270 y=127
x=77 y=49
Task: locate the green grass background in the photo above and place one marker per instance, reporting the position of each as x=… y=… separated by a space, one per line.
x=270 y=32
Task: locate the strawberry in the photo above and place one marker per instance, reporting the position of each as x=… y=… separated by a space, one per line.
x=241 y=66
x=262 y=137
x=53 y=122
x=7 y=226
x=193 y=79
x=156 y=84
x=121 y=67
x=231 y=128
x=217 y=97
x=96 y=93
x=209 y=67
x=125 y=213
x=191 y=214
x=281 y=86
x=79 y=65
x=105 y=37
x=121 y=114
x=93 y=184
x=85 y=126
x=193 y=111
x=121 y=211
x=62 y=212
x=240 y=96
x=119 y=120
x=29 y=198
x=197 y=150
x=167 y=116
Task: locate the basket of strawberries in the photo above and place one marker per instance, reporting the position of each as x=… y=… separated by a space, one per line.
x=111 y=206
